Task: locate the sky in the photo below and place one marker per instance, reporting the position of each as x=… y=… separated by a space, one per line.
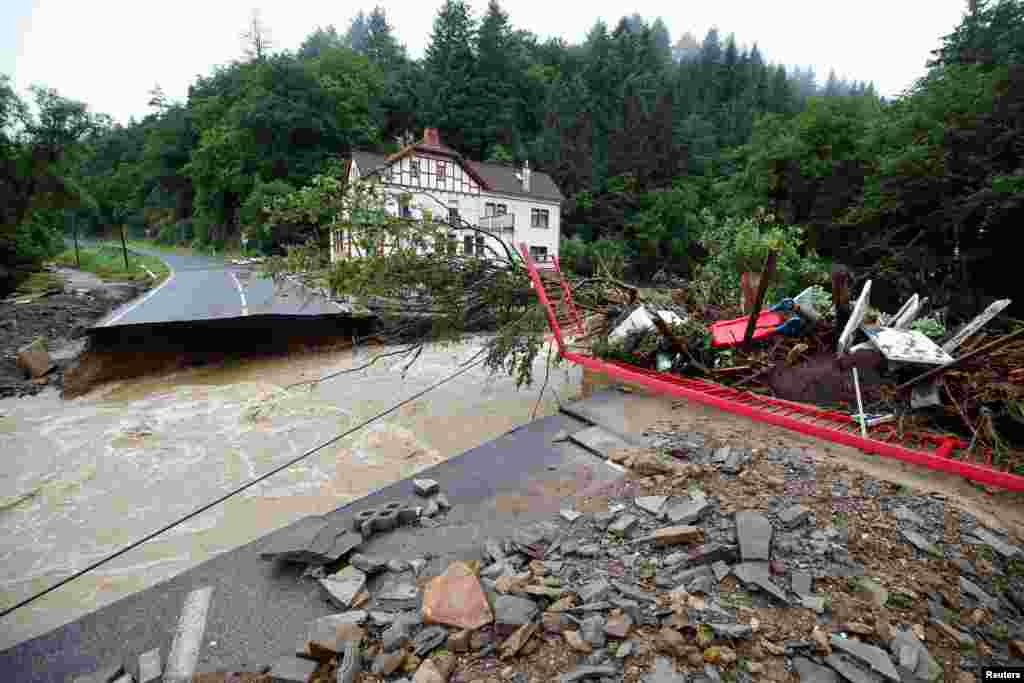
x=111 y=53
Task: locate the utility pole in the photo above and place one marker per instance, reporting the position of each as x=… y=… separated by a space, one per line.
x=124 y=248
x=74 y=230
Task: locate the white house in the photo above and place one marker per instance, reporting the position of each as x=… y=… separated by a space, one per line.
x=429 y=178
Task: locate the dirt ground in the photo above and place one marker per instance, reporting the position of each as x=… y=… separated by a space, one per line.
x=61 y=318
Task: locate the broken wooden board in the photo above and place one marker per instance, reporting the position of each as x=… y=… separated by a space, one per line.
x=979 y=322
x=908 y=346
x=860 y=310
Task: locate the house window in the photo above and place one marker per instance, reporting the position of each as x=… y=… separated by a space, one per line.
x=453 y=215
x=502 y=209
x=479 y=245
x=539 y=253
x=453 y=245
x=539 y=218
x=489 y=208
x=467 y=245
x=414 y=168
x=441 y=169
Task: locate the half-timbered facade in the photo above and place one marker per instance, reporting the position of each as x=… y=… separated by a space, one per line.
x=428 y=179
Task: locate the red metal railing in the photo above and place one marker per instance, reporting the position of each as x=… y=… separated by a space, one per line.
x=935 y=451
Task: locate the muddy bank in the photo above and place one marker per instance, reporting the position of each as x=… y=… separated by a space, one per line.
x=62 y=319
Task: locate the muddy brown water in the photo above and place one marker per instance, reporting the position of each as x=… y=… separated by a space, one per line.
x=83 y=478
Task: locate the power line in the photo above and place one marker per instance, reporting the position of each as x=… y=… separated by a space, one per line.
x=239 y=490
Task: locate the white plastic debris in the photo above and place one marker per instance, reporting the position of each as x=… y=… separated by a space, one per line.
x=640 y=321
x=856 y=318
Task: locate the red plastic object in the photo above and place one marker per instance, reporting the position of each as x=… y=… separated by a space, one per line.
x=935 y=451
x=730 y=332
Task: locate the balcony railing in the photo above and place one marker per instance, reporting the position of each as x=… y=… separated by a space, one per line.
x=501 y=223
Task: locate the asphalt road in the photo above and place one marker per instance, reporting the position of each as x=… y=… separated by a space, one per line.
x=206 y=288
x=260 y=609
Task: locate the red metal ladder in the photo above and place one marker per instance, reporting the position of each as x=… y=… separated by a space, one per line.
x=936 y=451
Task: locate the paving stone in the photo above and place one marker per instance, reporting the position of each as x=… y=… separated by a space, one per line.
x=874 y=657
x=810 y=672
x=651 y=504
x=292 y=670
x=986 y=537
x=802 y=584
x=594 y=591
x=794 y=516
x=758 y=574
x=688 y=511
x=920 y=542
x=514 y=611
x=623 y=525
x=342 y=588
x=848 y=670
x=584 y=672
x=425 y=487
x=456 y=598
x=754 y=532
x=664 y=672
x=428 y=639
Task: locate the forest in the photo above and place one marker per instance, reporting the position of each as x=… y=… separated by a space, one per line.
x=667 y=151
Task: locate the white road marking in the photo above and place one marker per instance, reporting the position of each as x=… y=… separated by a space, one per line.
x=142 y=300
x=188 y=638
x=241 y=293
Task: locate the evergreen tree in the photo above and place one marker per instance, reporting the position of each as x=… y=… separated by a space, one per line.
x=319 y=41
x=661 y=40
x=382 y=47
x=358 y=33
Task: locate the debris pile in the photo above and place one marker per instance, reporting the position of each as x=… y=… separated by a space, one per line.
x=706 y=564
x=836 y=353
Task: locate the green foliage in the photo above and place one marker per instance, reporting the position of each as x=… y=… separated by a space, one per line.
x=737 y=246
x=930 y=326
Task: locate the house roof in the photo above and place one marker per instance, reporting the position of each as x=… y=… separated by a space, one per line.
x=495 y=177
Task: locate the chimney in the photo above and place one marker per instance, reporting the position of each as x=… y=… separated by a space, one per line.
x=431 y=137
x=526 y=176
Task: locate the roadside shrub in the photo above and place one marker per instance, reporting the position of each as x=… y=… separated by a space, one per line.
x=590 y=258
x=735 y=246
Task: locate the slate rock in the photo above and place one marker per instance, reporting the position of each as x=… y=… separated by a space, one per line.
x=754 y=533
x=986 y=537
x=594 y=591
x=687 y=577
x=107 y=674
x=592 y=629
x=589 y=550
x=802 y=583
x=511 y=610
x=292 y=670
x=927 y=668
x=342 y=588
x=150 y=666
x=908 y=656
x=721 y=454
x=712 y=552
x=794 y=516
x=624 y=650
x=920 y=542
x=403 y=590
x=758 y=574
x=603 y=519
x=672 y=535
x=848 y=670
x=874 y=657
x=732 y=631
x=810 y=672
x=570 y=515
x=688 y=511
x=721 y=570
x=633 y=592
x=879 y=595
x=425 y=487
x=293 y=543
x=386 y=663
x=905 y=514
x=396 y=635
x=736 y=461
x=812 y=602
x=702 y=584
x=432 y=509
x=975 y=591
x=584 y=672
x=623 y=525
x=618 y=626
x=428 y=639
x=366 y=564
x=664 y=672
x=651 y=504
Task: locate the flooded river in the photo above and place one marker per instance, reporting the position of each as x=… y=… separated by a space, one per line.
x=81 y=479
